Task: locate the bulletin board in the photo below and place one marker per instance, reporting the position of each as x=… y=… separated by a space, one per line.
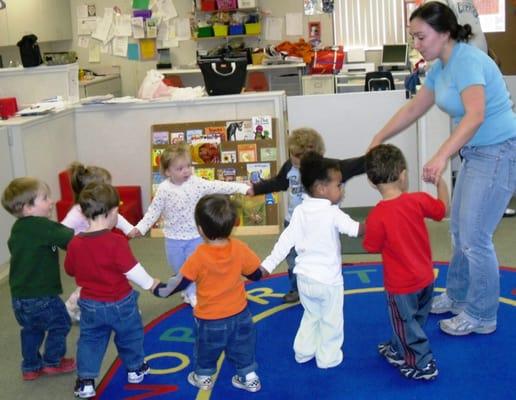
x=242 y=150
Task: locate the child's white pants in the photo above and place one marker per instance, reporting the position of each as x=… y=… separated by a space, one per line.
x=321 y=331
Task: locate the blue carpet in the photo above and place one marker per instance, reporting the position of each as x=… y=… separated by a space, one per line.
x=471 y=367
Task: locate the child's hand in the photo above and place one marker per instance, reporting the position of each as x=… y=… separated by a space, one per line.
x=134 y=233
x=250 y=191
x=158 y=290
x=265 y=273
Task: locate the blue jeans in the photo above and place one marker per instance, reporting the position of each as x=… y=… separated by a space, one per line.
x=38 y=317
x=177 y=252
x=98 y=320
x=236 y=335
x=291 y=263
x=484 y=187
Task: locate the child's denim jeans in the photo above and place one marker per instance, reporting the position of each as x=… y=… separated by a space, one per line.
x=236 y=335
x=38 y=317
x=98 y=319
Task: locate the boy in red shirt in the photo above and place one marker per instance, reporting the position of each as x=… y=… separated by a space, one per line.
x=216 y=266
x=396 y=228
x=102 y=263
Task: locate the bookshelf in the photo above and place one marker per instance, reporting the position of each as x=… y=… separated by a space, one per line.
x=241 y=150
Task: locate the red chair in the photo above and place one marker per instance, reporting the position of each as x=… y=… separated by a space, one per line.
x=256 y=82
x=130 y=200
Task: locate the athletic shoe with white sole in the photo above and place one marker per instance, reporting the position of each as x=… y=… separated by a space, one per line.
x=251 y=382
x=462 y=325
x=138 y=375
x=442 y=304
x=203 y=382
x=428 y=373
x=84 y=388
x=391 y=355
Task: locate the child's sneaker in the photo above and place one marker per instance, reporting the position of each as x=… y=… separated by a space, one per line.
x=251 y=383
x=189 y=299
x=84 y=388
x=31 y=375
x=428 y=373
x=391 y=355
x=203 y=382
x=442 y=304
x=65 y=365
x=461 y=325
x=291 y=297
x=138 y=375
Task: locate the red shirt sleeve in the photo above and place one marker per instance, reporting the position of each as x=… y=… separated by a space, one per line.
x=374 y=238
x=432 y=208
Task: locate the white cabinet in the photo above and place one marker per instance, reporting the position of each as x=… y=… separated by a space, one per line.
x=109 y=84
x=49 y=20
x=318 y=84
x=4 y=41
x=6 y=175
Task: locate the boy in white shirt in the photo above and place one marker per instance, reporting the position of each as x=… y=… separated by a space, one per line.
x=314 y=232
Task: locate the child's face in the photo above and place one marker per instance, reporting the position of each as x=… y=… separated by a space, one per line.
x=334 y=188
x=179 y=170
x=42 y=206
x=295 y=158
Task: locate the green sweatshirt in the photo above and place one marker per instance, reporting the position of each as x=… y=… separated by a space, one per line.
x=34 y=267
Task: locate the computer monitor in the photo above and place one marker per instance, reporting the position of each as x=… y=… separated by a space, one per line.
x=395 y=56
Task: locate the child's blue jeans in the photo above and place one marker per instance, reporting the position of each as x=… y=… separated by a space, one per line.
x=236 y=335
x=177 y=252
x=38 y=317
x=98 y=320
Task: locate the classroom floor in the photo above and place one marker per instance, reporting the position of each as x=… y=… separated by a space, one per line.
x=150 y=252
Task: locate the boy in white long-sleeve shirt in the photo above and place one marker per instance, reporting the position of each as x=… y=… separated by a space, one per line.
x=314 y=232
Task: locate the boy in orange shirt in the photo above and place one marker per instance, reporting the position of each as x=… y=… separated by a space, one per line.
x=216 y=266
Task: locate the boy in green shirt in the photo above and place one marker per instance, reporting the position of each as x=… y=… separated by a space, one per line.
x=34 y=278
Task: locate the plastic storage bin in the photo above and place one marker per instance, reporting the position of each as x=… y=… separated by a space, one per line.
x=220 y=30
x=205 y=31
x=253 y=28
x=208 y=5
x=236 y=29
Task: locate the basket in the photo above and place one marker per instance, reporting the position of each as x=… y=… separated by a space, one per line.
x=204 y=31
x=220 y=30
x=253 y=28
x=226 y=4
x=208 y=5
x=236 y=29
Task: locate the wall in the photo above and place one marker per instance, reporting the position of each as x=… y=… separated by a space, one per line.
x=503 y=43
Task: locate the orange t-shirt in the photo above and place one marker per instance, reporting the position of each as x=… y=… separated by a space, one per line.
x=217 y=271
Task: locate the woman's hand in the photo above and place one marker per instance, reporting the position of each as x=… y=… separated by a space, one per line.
x=434 y=168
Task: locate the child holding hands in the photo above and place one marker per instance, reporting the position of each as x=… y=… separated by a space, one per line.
x=175 y=201
x=34 y=278
x=314 y=232
x=102 y=263
x=216 y=266
x=396 y=228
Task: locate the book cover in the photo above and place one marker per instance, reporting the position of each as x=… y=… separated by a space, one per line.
x=268 y=154
x=258 y=171
x=239 y=130
x=205 y=173
x=192 y=134
x=253 y=211
x=205 y=150
x=226 y=174
x=219 y=131
x=177 y=137
x=156 y=153
x=228 y=156
x=247 y=152
x=160 y=137
x=262 y=127
x=157 y=178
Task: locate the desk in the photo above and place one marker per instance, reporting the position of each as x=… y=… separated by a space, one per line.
x=191 y=76
x=99 y=85
x=354 y=82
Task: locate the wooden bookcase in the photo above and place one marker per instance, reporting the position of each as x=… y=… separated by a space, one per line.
x=259 y=215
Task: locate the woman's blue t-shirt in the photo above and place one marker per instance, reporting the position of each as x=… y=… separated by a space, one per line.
x=466 y=67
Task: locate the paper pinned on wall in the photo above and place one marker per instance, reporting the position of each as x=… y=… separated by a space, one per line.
x=94 y=52
x=83 y=42
x=165 y=9
x=182 y=30
x=120 y=46
x=86 y=26
x=151 y=27
x=163 y=30
x=105 y=48
x=141 y=4
x=82 y=11
x=273 y=28
x=122 y=25
x=147 y=49
x=104 y=26
x=294 y=24
x=138 y=27
x=133 y=52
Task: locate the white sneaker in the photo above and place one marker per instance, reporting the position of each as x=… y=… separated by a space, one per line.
x=190 y=299
x=84 y=388
x=462 y=324
x=138 y=375
x=251 y=382
x=442 y=304
x=203 y=382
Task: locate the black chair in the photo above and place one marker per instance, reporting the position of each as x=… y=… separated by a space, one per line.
x=378 y=80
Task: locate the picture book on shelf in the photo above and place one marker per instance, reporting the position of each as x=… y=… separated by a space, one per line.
x=258 y=171
x=177 y=137
x=262 y=127
x=253 y=211
x=192 y=134
x=268 y=154
x=205 y=173
x=247 y=152
x=205 y=150
x=228 y=156
x=219 y=131
x=226 y=174
x=160 y=137
x=239 y=130
x=156 y=153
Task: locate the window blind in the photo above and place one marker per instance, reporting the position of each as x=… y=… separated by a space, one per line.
x=369 y=23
